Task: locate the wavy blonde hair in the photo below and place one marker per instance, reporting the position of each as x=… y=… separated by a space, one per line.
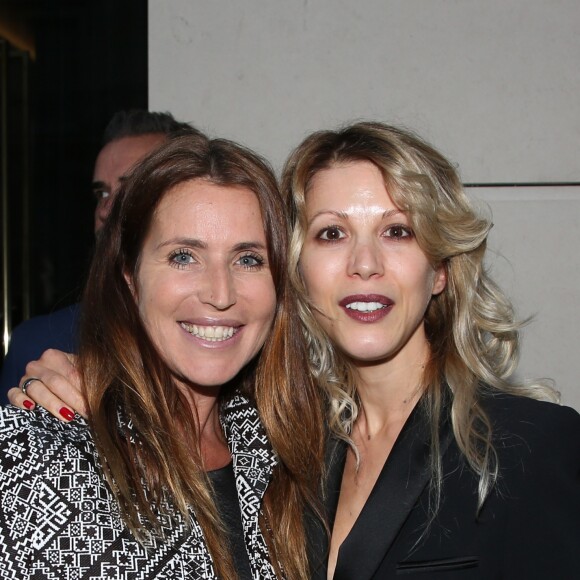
x=470 y=326
x=156 y=469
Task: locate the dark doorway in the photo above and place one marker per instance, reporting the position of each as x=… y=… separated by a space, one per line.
x=68 y=65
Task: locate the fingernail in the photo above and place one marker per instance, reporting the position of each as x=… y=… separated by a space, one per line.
x=67 y=414
x=28 y=404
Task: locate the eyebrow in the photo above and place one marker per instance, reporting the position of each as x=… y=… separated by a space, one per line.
x=198 y=244
x=391 y=212
x=99 y=185
x=344 y=216
x=339 y=214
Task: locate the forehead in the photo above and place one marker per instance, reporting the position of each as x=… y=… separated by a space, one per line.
x=118 y=157
x=199 y=208
x=357 y=182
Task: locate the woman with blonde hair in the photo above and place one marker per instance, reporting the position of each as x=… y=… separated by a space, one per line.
x=442 y=464
x=202 y=421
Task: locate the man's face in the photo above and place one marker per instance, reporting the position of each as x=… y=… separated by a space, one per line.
x=113 y=164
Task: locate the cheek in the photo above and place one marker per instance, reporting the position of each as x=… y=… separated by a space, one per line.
x=305 y=275
x=259 y=299
x=159 y=296
x=429 y=278
x=420 y=276
x=312 y=272
x=268 y=299
x=424 y=291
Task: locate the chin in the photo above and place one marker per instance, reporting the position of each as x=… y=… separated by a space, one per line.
x=368 y=353
x=212 y=379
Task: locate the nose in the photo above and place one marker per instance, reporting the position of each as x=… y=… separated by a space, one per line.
x=218 y=288
x=366 y=260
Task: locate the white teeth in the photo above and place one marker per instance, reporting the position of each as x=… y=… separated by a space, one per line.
x=210 y=333
x=365 y=306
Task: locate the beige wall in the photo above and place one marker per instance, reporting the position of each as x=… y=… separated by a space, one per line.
x=493 y=84
x=535 y=243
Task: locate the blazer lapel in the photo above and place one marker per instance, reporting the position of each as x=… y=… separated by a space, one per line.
x=253 y=463
x=317 y=536
x=399 y=485
x=335 y=459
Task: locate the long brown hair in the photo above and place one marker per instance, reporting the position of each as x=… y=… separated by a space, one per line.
x=150 y=469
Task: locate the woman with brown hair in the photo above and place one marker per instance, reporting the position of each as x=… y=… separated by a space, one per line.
x=200 y=415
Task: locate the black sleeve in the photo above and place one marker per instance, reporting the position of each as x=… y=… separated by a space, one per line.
x=543 y=535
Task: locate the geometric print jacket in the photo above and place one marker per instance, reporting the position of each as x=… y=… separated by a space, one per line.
x=59 y=520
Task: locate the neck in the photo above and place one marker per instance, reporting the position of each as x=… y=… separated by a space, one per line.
x=204 y=406
x=390 y=389
x=203 y=403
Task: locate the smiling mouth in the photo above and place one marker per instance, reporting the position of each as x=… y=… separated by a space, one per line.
x=210 y=333
x=365 y=306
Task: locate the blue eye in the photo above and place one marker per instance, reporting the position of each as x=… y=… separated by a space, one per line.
x=181 y=258
x=251 y=261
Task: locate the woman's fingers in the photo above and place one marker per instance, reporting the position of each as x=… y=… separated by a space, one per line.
x=19 y=399
x=38 y=393
x=56 y=386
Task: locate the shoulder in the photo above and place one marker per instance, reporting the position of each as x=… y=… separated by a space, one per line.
x=538 y=450
x=537 y=430
x=37 y=436
x=63 y=320
x=32 y=337
x=529 y=415
x=55 y=500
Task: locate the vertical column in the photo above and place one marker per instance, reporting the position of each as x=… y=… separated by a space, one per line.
x=6 y=314
x=25 y=181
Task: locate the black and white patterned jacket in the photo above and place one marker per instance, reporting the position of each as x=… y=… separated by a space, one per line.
x=58 y=519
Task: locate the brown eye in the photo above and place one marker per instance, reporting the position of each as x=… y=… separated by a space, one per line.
x=100 y=194
x=398 y=232
x=331 y=234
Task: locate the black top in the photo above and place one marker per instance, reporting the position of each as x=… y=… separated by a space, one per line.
x=226 y=497
x=527 y=529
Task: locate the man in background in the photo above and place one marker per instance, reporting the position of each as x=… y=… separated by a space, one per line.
x=128 y=138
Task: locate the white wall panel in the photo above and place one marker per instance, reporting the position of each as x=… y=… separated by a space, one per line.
x=495 y=84
x=535 y=255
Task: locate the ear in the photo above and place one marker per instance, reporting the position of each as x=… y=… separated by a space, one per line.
x=440 y=280
x=129 y=280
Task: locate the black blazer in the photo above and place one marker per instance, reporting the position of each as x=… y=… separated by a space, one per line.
x=528 y=528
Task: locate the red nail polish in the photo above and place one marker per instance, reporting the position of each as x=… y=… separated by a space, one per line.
x=28 y=404
x=67 y=414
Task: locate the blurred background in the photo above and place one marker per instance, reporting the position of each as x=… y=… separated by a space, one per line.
x=66 y=67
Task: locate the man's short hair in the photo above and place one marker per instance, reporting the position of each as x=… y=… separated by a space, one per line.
x=136 y=122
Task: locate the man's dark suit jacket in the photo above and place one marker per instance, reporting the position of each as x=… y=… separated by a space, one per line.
x=528 y=528
x=31 y=338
